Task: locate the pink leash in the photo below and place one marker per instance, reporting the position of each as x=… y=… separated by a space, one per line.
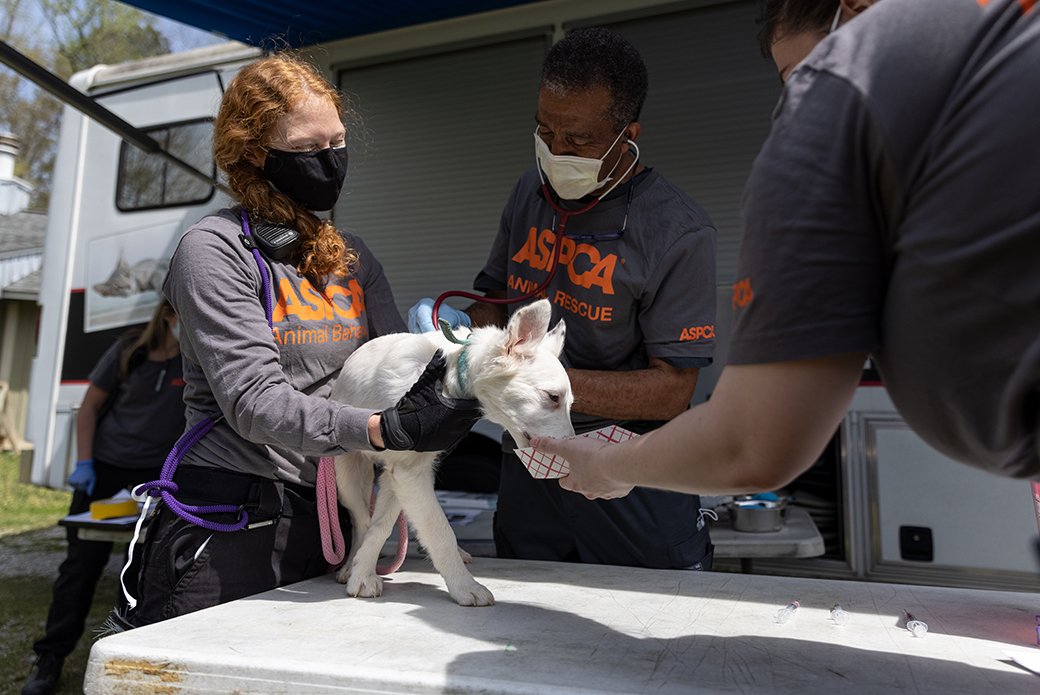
x=332 y=544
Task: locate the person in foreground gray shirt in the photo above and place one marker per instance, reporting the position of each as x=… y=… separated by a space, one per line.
x=894 y=211
x=279 y=137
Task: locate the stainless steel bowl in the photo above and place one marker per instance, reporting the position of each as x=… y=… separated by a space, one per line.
x=757 y=516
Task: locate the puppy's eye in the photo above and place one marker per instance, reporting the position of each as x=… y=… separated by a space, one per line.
x=555 y=398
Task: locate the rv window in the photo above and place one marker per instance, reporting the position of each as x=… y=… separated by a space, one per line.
x=147 y=182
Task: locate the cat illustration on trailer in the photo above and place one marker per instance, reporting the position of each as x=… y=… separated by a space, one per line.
x=127 y=280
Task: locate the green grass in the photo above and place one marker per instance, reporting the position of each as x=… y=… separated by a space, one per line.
x=23 y=612
x=27 y=507
x=25 y=511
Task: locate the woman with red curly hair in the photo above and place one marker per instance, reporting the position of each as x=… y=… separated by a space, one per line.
x=272 y=299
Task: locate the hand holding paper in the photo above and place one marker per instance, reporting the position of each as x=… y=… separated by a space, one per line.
x=573 y=461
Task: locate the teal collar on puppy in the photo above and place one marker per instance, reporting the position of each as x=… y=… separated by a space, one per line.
x=463 y=363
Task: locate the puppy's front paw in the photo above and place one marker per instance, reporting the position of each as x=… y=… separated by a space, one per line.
x=472 y=594
x=466 y=557
x=343 y=573
x=370 y=586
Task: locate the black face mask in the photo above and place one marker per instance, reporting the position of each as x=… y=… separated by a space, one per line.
x=312 y=179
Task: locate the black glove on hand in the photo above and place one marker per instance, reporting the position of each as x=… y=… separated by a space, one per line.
x=425 y=419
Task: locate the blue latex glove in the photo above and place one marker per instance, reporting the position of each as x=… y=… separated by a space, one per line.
x=84 y=478
x=420 y=317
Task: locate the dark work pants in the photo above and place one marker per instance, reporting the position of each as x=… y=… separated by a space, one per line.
x=78 y=575
x=188 y=568
x=539 y=520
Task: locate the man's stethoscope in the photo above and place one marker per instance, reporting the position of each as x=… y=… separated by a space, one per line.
x=560 y=232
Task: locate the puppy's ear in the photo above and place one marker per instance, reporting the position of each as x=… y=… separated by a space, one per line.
x=527 y=328
x=554 y=339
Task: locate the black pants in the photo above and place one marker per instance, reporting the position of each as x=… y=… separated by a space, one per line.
x=539 y=520
x=78 y=575
x=187 y=568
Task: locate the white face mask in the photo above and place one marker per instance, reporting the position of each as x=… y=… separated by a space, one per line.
x=175 y=329
x=573 y=177
x=837 y=18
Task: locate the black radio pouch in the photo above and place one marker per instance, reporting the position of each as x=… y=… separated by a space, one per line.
x=277 y=242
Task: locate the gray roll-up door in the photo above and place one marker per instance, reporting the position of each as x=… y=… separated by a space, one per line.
x=446 y=138
x=709 y=108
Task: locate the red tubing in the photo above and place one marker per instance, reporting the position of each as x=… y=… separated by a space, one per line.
x=564 y=215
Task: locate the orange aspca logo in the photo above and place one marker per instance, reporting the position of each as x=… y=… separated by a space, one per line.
x=742 y=294
x=698 y=333
x=537 y=253
x=312 y=305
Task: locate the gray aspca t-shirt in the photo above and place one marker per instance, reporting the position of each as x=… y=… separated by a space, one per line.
x=649 y=292
x=146 y=417
x=895 y=208
x=271 y=384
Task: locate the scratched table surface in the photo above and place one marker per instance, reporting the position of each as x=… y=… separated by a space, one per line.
x=562 y=628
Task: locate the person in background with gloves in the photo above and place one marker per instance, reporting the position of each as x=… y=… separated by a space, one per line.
x=279 y=138
x=130 y=418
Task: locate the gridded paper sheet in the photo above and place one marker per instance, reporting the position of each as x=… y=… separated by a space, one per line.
x=1030 y=659
x=541 y=465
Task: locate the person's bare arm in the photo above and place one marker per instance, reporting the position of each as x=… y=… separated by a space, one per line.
x=659 y=392
x=86 y=421
x=764 y=425
x=487 y=314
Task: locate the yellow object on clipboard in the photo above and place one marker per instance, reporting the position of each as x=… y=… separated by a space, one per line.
x=110 y=508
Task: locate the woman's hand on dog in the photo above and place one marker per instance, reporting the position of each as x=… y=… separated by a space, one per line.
x=425 y=419
x=590 y=466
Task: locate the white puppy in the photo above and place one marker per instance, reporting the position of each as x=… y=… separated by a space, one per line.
x=515 y=374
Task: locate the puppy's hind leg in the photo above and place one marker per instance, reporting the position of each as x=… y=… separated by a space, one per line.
x=415 y=488
x=354 y=475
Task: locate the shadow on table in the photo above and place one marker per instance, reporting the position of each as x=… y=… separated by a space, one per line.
x=1003 y=617
x=946 y=610
x=577 y=652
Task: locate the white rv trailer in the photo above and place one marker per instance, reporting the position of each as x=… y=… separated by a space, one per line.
x=447 y=110
x=116 y=214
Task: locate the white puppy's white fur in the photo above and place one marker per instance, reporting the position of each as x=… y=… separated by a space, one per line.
x=515 y=374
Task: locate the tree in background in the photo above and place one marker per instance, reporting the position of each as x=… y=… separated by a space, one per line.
x=25 y=111
x=66 y=36
x=90 y=32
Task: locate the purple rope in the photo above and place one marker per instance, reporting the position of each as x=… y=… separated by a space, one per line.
x=165 y=487
x=263 y=271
